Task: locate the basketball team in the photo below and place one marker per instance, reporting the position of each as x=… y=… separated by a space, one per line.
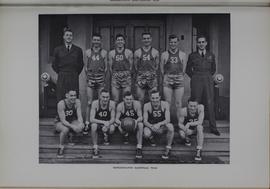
x=134 y=114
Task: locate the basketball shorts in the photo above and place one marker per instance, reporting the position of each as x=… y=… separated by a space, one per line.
x=95 y=80
x=147 y=80
x=173 y=81
x=121 y=79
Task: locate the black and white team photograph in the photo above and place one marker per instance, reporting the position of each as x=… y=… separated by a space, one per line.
x=134 y=88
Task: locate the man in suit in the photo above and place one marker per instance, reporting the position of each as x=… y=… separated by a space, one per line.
x=68 y=64
x=201 y=67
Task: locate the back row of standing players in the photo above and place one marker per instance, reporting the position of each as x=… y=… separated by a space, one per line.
x=156 y=116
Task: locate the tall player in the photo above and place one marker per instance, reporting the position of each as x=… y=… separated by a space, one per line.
x=190 y=122
x=156 y=117
x=95 y=71
x=120 y=61
x=173 y=63
x=102 y=117
x=69 y=118
x=146 y=61
x=130 y=108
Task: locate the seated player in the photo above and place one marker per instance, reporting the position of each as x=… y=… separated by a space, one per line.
x=156 y=116
x=102 y=117
x=69 y=118
x=130 y=108
x=190 y=122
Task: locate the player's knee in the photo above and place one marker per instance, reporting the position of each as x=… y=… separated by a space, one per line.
x=182 y=134
x=199 y=128
x=65 y=130
x=178 y=103
x=140 y=126
x=93 y=127
x=170 y=127
x=112 y=129
x=147 y=133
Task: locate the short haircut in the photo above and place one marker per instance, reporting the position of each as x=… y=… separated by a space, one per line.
x=66 y=29
x=201 y=36
x=127 y=93
x=96 y=35
x=67 y=90
x=173 y=36
x=192 y=99
x=146 y=33
x=120 y=35
x=154 y=92
x=103 y=91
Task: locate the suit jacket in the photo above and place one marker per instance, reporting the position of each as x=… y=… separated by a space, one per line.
x=68 y=61
x=201 y=65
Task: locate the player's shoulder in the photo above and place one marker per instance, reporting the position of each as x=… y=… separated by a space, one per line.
x=182 y=53
x=88 y=52
x=112 y=103
x=77 y=101
x=138 y=51
x=120 y=105
x=147 y=105
x=103 y=51
x=183 y=111
x=95 y=103
x=112 y=52
x=137 y=103
x=165 y=53
x=154 y=50
x=61 y=103
x=128 y=51
x=200 y=107
x=164 y=103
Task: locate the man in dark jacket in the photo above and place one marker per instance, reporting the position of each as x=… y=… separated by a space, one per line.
x=68 y=64
x=201 y=66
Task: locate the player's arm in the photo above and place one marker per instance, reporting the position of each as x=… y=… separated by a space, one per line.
x=145 y=115
x=93 y=113
x=167 y=115
x=79 y=111
x=155 y=54
x=61 y=114
x=139 y=112
x=112 y=107
x=118 y=114
x=182 y=119
x=183 y=57
x=200 y=118
x=110 y=60
x=162 y=63
x=137 y=55
x=88 y=55
x=130 y=58
x=105 y=58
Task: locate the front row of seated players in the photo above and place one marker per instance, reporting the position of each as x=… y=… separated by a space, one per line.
x=154 y=122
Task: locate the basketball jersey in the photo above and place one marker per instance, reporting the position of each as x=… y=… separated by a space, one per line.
x=103 y=114
x=70 y=113
x=129 y=112
x=189 y=118
x=147 y=61
x=96 y=63
x=120 y=62
x=173 y=65
x=156 y=116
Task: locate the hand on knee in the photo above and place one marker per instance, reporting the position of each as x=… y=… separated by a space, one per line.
x=170 y=127
x=93 y=127
x=200 y=128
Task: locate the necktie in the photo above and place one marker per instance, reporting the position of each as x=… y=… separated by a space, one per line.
x=68 y=48
x=203 y=54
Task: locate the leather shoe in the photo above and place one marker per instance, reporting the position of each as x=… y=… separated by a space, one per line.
x=215 y=132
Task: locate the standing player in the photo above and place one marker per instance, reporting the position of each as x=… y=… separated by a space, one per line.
x=146 y=61
x=201 y=66
x=120 y=61
x=95 y=71
x=173 y=63
x=68 y=64
x=190 y=122
x=156 y=116
x=102 y=117
x=69 y=118
x=130 y=108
